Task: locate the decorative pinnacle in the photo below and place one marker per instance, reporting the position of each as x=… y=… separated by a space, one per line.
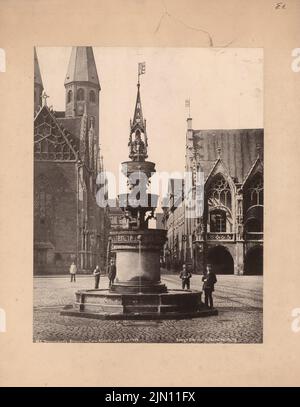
x=92 y=123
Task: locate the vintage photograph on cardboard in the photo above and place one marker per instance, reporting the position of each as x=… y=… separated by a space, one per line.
x=148 y=195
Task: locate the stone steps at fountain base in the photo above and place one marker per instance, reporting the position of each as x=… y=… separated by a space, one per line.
x=131 y=309
x=107 y=308
x=104 y=304
x=141 y=309
x=202 y=313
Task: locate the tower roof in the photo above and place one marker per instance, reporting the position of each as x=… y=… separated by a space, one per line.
x=37 y=72
x=82 y=66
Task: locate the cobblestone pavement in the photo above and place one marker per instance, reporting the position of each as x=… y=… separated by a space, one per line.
x=237 y=298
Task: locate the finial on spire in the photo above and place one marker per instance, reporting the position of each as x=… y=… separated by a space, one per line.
x=44 y=97
x=219 y=151
x=92 y=123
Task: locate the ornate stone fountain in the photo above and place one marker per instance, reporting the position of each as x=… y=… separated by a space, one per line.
x=138 y=292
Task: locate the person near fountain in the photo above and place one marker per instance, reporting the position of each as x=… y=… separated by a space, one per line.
x=96 y=274
x=112 y=272
x=73 y=271
x=209 y=281
x=185 y=276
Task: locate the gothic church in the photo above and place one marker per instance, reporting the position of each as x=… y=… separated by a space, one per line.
x=68 y=224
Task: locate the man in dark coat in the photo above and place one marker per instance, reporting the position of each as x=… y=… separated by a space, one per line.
x=185 y=276
x=112 y=272
x=209 y=280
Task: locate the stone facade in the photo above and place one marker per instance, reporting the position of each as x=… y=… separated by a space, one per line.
x=229 y=233
x=116 y=217
x=68 y=224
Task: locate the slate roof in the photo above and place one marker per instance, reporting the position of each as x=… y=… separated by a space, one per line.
x=238 y=149
x=72 y=124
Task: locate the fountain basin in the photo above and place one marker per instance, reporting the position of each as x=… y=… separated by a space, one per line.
x=130 y=167
x=105 y=304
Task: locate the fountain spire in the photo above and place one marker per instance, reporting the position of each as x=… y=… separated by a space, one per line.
x=138 y=141
x=138 y=121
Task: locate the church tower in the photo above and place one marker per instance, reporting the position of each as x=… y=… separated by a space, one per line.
x=38 y=84
x=82 y=86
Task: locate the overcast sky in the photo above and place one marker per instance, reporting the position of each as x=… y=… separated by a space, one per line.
x=225 y=86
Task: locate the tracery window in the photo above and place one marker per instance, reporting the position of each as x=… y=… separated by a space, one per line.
x=43 y=216
x=219 y=206
x=43 y=201
x=253 y=204
x=219 y=193
x=255 y=192
x=51 y=144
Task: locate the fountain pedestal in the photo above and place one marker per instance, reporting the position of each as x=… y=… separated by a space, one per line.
x=138 y=260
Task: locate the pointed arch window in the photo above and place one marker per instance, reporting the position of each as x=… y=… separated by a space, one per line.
x=80 y=94
x=253 y=204
x=43 y=204
x=92 y=96
x=219 y=202
x=70 y=96
x=255 y=192
x=219 y=193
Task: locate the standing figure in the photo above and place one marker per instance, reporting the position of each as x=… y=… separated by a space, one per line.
x=112 y=272
x=96 y=274
x=209 y=280
x=185 y=276
x=138 y=148
x=73 y=271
